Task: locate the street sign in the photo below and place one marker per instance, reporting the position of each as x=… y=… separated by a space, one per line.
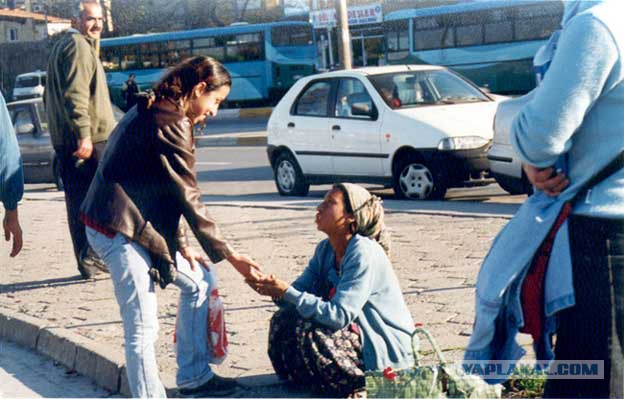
x=358 y=15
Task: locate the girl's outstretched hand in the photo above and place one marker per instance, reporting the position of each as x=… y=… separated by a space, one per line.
x=245 y=266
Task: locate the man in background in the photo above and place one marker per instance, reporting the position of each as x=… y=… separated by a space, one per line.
x=80 y=118
x=130 y=91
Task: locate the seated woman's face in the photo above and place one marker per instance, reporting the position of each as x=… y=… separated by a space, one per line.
x=331 y=216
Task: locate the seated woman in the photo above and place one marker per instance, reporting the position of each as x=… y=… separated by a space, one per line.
x=345 y=314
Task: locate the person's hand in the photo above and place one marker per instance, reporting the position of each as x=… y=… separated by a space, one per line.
x=269 y=286
x=11 y=226
x=245 y=266
x=193 y=257
x=545 y=180
x=85 y=148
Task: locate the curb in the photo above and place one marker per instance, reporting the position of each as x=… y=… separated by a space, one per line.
x=230 y=140
x=75 y=352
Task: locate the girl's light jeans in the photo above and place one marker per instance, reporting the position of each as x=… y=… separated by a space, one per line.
x=128 y=263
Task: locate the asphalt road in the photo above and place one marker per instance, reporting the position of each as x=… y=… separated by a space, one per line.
x=25 y=374
x=236 y=125
x=243 y=174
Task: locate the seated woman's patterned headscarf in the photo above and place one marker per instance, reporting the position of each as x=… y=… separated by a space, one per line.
x=368 y=213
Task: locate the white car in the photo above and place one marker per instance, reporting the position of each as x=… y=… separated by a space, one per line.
x=29 y=85
x=420 y=129
x=505 y=165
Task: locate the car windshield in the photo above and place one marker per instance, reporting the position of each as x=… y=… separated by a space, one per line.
x=31 y=81
x=417 y=88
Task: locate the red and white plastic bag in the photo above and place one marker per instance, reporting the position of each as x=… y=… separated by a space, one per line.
x=216 y=337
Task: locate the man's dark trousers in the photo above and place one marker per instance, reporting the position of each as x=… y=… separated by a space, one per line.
x=77 y=177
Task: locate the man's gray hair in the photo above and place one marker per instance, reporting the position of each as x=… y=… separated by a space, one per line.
x=79 y=5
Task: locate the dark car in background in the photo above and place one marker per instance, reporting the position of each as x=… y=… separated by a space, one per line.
x=31 y=127
x=33 y=136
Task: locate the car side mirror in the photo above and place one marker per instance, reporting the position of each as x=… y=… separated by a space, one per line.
x=363 y=109
x=25 y=128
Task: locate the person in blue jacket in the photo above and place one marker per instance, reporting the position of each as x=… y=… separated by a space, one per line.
x=346 y=313
x=11 y=179
x=571 y=128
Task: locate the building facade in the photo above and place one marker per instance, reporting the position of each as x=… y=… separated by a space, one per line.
x=22 y=26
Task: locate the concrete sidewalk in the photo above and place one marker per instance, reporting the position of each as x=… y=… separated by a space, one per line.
x=44 y=304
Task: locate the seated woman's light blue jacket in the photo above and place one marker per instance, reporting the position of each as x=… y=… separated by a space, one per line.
x=574 y=121
x=367 y=293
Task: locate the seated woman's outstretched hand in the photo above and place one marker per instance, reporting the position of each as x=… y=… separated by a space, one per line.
x=245 y=266
x=269 y=286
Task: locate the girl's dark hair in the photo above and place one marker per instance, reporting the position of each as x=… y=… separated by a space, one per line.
x=178 y=83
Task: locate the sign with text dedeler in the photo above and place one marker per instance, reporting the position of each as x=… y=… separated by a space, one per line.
x=359 y=15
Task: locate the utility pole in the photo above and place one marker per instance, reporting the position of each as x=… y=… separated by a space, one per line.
x=107 y=6
x=344 y=38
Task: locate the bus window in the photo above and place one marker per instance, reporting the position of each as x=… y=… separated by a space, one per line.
x=283 y=36
x=431 y=33
x=174 y=52
x=469 y=35
x=498 y=32
x=537 y=22
x=129 y=57
x=210 y=46
x=536 y=28
x=150 y=55
x=397 y=39
x=110 y=59
x=244 y=47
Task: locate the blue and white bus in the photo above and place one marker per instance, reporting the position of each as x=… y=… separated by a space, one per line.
x=263 y=59
x=492 y=42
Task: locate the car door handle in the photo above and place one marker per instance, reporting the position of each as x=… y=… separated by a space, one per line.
x=335 y=127
x=290 y=124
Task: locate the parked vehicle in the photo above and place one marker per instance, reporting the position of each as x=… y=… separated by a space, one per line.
x=33 y=136
x=505 y=164
x=420 y=129
x=491 y=42
x=263 y=59
x=31 y=127
x=29 y=85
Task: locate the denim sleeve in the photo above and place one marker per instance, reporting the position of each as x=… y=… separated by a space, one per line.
x=352 y=293
x=11 y=173
x=578 y=75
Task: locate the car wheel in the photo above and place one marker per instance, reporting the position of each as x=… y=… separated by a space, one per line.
x=288 y=176
x=514 y=186
x=56 y=173
x=414 y=179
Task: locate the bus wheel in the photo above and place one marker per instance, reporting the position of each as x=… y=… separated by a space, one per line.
x=288 y=176
x=415 y=179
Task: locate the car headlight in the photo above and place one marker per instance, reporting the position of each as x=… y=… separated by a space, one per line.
x=461 y=143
